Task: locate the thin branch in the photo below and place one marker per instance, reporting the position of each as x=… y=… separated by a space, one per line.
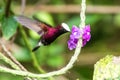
x=82 y=14
x=7 y=8
x=23 y=3
x=30 y=9
x=12 y=58
x=7 y=60
x=24 y=73
x=14 y=63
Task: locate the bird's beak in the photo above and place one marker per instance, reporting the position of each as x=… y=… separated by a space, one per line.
x=66 y=27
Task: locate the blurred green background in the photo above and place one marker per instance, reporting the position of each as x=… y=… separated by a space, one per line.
x=105 y=31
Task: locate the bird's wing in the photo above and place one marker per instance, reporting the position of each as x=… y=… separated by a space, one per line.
x=34 y=17
x=34 y=25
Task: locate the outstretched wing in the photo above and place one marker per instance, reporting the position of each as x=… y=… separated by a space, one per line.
x=34 y=17
x=31 y=24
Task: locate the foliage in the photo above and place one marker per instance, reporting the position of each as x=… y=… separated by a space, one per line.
x=107 y=68
x=9 y=26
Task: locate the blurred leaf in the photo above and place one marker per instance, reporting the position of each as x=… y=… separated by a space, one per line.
x=77 y=1
x=60 y=17
x=55 y=49
x=33 y=42
x=1 y=13
x=34 y=35
x=55 y=61
x=117 y=20
x=45 y=17
x=41 y=54
x=9 y=26
x=107 y=68
x=6 y=76
x=90 y=19
x=46 y=53
x=57 y=2
x=22 y=54
x=74 y=21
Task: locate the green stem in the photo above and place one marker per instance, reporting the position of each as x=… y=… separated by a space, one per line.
x=32 y=53
x=7 y=8
x=30 y=49
x=12 y=64
x=7 y=60
x=29 y=74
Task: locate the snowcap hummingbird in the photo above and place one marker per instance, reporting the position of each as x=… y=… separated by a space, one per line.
x=47 y=32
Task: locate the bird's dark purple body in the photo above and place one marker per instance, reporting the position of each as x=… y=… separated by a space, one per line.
x=47 y=32
x=51 y=35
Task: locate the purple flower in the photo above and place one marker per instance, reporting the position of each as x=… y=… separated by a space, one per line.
x=86 y=35
x=75 y=34
x=72 y=43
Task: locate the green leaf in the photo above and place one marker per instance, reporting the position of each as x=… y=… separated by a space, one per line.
x=117 y=20
x=107 y=68
x=45 y=17
x=22 y=54
x=9 y=26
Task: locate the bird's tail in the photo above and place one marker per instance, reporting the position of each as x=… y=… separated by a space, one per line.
x=35 y=48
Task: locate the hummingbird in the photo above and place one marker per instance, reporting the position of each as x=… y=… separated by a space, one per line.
x=47 y=32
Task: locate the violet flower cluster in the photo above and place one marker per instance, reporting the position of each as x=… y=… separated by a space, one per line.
x=75 y=35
